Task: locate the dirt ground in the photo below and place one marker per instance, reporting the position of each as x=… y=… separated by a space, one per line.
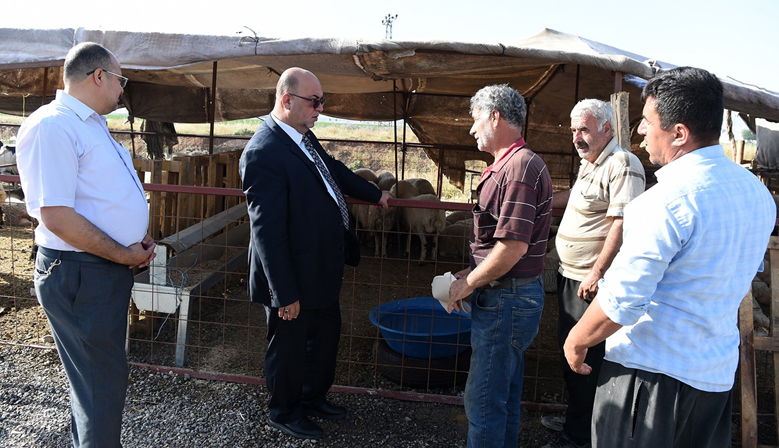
x=226 y=333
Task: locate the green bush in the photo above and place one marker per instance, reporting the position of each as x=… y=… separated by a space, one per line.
x=244 y=131
x=357 y=164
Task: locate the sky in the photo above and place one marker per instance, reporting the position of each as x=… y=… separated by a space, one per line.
x=730 y=38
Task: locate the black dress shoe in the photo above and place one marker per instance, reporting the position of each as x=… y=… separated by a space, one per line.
x=301 y=429
x=327 y=411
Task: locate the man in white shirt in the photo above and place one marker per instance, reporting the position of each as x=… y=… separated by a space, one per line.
x=588 y=239
x=81 y=186
x=669 y=302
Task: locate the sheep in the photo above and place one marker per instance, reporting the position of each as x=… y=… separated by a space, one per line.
x=423 y=186
x=458 y=216
x=15 y=214
x=404 y=190
x=380 y=222
x=360 y=214
x=762 y=323
x=424 y=222
x=761 y=291
x=375 y=221
x=367 y=174
x=386 y=181
x=8 y=160
x=453 y=241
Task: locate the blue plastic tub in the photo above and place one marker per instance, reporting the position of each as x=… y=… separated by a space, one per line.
x=420 y=327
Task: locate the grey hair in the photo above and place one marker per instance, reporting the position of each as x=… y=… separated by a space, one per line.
x=600 y=111
x=84 y=58
x=507 y=101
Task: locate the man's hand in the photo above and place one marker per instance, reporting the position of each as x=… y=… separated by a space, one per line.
x=384 y=201
x=147 y=244
x=575 y=358
x=459 y=290
x=140 y=254
x=290 y=311
x=588 y=288
x=462 y=274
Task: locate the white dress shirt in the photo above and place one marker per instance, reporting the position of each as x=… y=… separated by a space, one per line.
x=66 y=157
x=297 y=137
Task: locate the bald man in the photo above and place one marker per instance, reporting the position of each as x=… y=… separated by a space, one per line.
x=300 y=240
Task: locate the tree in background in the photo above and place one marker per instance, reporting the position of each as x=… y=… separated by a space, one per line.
x=746 y=134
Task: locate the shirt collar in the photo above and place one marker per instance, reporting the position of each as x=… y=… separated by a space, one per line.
x=296 y=136
x=682 y=165
x=498 y=164
x=82 y=110
x=606 y=151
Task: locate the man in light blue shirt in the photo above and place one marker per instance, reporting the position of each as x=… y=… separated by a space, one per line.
x=81 y=186
x=668 y=305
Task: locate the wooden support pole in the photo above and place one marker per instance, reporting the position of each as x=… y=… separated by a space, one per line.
x=212 y=110
x=773 y=256
x=739 y=156
x=619 y=104
x=617 y=82
x=729 y=130
x=45 y=91
x=748 y=374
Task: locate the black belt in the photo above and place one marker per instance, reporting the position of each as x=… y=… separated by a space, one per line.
x=510 y=282
x=71 y=255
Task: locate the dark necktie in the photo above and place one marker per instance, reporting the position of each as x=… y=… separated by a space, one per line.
x=339 y=197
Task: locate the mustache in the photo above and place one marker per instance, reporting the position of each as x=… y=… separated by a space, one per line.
x=582 y=145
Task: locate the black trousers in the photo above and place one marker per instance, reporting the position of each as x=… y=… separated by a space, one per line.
x=580 y=388
x=639 y=409
x=300 y=360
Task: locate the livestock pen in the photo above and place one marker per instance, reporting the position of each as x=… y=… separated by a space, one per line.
x=195 y=215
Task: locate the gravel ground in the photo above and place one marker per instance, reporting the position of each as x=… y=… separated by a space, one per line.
x=167 y=410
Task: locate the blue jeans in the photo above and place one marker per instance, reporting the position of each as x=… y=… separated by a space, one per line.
x=504 y=323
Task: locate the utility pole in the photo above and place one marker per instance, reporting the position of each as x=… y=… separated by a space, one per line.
x=387 y=22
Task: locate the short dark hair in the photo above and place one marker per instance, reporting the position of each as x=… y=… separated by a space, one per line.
x=84 y=58
x=504 y=99
x=691 y=96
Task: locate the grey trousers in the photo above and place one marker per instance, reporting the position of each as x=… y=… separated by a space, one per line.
x=86 y=298
x=639 y=409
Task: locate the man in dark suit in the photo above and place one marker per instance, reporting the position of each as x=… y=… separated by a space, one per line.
x=300 y=240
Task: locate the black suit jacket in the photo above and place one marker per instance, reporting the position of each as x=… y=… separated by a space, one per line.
x=298 y=245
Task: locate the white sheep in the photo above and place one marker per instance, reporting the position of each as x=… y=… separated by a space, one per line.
x=453 y=241
x=458 y=216
x=367 y=174
x=423 y=186
x=386 y=181
x=404 y=189
x=423 y=222
x=8 y=160
x=380 y=222
x=360 y=214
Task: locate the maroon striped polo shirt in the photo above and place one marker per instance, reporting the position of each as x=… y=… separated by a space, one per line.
x=514 y=202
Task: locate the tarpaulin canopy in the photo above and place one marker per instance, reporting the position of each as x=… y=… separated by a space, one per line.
x=428 y=84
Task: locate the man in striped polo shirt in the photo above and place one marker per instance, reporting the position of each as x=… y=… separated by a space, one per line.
x=589 y=237
x=508 y=246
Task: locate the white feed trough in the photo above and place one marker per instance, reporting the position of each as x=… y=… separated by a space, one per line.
x=154 y=289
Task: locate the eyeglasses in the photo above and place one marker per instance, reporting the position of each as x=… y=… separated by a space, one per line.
x=122 y=80
x=316 y=102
